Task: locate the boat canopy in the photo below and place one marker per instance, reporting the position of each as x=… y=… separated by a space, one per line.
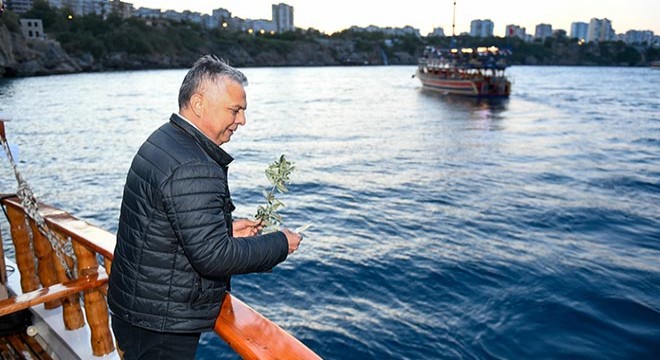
x=469 y=58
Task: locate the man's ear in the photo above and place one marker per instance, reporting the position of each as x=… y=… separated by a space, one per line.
x=197 y=104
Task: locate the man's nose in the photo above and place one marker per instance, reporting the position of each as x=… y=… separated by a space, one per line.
x=242 y=118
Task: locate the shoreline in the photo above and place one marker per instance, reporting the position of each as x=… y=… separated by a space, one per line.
x=117 y=70
x=21 y=57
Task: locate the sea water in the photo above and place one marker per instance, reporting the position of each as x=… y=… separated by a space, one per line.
x=443 y=227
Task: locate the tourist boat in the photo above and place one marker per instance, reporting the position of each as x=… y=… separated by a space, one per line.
x=466 y=71
x=61 y=260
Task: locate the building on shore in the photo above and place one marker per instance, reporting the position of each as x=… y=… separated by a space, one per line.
x=389 y=31
x=515 y=31
x=32 y=28
x=481 y=28
x=98 y=7
x=579 y=30
x=600 y=30
x=221 y=17
x=640 y=37
x=439 y=32
x=283 y=17
x=19 y=6
x=147 y=13
x=192 y=16
x=543 y=31
x=261 y=26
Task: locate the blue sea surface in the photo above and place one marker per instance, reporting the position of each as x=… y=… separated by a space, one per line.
x=443 y=227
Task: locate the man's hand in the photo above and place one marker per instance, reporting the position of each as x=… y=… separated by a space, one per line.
x=245 y=227
x=293 y=239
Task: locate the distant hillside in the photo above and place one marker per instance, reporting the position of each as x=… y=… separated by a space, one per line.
x=19 y=57
x=562 y=50
x=91 y=43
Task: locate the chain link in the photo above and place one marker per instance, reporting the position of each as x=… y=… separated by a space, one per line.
x=62 y=248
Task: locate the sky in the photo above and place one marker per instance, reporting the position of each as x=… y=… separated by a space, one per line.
x=337 y=15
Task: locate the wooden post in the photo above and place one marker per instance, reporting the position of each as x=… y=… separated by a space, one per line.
x=24 y=255
x=96 y=308
x=3 y=267
x=45 y=269
x=108 y=265
x=71 y=310
x=3 y=273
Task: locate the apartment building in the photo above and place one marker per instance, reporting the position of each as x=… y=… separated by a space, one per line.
x=481 y=28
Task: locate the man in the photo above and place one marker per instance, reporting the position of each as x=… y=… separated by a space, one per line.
x=177 y=244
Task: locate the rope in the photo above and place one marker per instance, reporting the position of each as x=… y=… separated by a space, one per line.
x=31 y=208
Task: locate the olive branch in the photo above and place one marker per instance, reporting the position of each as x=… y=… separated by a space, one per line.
x=278 y=175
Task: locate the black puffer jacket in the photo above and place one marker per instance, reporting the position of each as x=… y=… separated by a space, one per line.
x=174 y=253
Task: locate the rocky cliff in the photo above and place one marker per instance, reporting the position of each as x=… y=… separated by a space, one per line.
x=304 y=53
x=23 y=57
x=27 y=57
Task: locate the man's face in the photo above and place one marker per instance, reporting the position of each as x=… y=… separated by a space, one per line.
x=224 y=109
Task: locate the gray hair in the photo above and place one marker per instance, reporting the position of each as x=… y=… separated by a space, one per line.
x=207 y=68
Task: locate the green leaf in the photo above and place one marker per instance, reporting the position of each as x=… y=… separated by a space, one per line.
x=278 y=174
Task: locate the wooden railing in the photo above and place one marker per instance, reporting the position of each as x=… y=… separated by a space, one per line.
x=45 y=281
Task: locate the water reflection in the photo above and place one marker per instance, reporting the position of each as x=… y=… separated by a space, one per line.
x=5 y=90
x=467 y=103
x=470 y=112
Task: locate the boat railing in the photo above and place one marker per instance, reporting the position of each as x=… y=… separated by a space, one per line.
x=44 y=280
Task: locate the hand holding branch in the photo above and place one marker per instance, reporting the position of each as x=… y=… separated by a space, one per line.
x=246 y=227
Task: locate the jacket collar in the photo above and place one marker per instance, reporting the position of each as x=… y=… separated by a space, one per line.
x=213 y=150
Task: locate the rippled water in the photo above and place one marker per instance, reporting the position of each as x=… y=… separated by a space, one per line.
x=443 y=227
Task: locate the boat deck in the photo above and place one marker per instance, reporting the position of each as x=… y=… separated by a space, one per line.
x=21 y=346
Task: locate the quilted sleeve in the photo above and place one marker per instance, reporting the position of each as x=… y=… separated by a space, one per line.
x=194 y=199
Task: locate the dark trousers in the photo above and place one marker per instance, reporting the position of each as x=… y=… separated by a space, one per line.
x=138 y=343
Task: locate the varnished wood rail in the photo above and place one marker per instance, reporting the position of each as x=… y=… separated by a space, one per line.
x=249 y=333
x=254 y=337
x=54 y=292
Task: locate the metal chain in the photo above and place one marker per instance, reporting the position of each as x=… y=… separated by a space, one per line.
x=31 y=209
